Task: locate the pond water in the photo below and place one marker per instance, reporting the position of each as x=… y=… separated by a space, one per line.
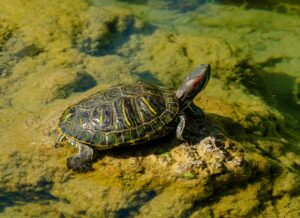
x=56 y=53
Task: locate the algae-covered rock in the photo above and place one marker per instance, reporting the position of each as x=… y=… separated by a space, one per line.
x=152 y=174
x=102 y=29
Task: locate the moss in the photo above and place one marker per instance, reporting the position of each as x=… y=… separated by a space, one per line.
x=287 y=182
x=188 y=175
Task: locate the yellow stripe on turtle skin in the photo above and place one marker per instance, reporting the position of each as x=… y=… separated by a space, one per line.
x=67 y=116
x=148 y=105
x=68 y=137
x=61 y=137
x=132 y=142
x=124 y=114
x=101 y=118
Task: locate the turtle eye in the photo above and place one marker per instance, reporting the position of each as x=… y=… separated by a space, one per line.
x=85 y=114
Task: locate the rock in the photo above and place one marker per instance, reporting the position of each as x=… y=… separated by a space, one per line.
x=101 y=30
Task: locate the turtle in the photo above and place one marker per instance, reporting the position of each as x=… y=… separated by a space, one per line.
x=129 y=114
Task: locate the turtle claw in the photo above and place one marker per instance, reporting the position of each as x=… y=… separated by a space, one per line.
x=78 y=165
x=58 y=143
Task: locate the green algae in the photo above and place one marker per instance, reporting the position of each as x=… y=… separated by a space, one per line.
x=53 y=55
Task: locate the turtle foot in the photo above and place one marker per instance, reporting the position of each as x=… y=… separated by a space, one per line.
x=78 y=165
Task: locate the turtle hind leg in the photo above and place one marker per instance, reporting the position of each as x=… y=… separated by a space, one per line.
x=81 y=162
x=184 y=131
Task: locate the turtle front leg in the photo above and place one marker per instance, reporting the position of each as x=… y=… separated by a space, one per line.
x=180 y=127
x=186 y=129
x=81 y=162
x=194 y=111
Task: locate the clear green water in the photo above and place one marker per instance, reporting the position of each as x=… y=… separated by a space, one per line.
x=53 y=54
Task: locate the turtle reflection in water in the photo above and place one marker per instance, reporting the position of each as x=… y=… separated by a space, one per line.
x=129 y=115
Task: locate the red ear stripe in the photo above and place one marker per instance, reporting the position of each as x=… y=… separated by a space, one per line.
x=196 y=82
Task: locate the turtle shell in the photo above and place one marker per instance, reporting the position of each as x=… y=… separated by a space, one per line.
x=126 y=114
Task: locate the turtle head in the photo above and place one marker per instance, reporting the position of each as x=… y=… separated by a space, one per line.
x=193 y=84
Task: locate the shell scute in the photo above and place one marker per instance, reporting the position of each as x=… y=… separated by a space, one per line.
x=125 y=114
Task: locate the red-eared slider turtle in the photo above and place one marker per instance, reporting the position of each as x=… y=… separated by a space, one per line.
x=129 y=115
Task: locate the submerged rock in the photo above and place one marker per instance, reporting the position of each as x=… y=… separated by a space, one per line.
x=101 y=30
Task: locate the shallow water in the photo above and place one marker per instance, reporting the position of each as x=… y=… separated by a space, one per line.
x=54 y=54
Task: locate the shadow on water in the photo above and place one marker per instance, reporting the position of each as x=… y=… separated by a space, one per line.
x=114 y=39
x=231 y=189
x=239 y=133
x=140 y=2
x=184 y=6
x=259 y=4
x=282 y=88
x=9 y=59
x=82 y=83
x=157 y=147
x=232 y=129
x=148 y=77
x=278 y=90
x=181 y=6
x=26 y=194
x=140 y=199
